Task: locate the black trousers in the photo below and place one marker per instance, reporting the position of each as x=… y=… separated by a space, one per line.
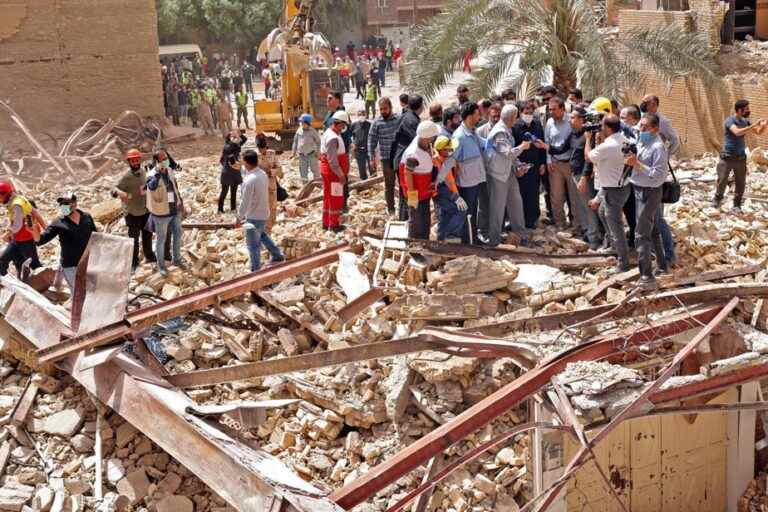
x=18 y=253
x=390 y=177
x=530 y=188
x=419 y=220
x=137 y=230
x=228 y=188
x=630 y=212
x=362 y=164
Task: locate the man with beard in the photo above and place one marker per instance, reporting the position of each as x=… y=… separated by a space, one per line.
x=132 y=192
x=382 y=136
x=733 y=157
x=451 y=121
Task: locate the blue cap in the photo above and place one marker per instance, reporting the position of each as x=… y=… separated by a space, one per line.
x=305 y=118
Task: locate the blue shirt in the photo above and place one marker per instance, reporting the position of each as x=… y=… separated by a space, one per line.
x=557 y=135
x=655 y=161
x=469 y=155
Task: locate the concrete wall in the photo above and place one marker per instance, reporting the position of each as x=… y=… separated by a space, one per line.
x=65 y=61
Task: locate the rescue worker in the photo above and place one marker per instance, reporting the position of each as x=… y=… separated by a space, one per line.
x=451 y=208
x=73 y=229
x=241 y=99
x=269 y=164
x=231 y=177
x=417 y=179
x=306 y=144
x=131 y=189
x=334 y=168
x=25 y=226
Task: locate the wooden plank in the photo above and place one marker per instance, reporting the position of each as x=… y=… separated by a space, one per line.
x=5 y=453
x=358 y=186
x=433 y=466
x=24 y=404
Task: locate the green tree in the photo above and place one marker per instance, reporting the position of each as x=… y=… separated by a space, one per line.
x=563 y=39
x=243 y=23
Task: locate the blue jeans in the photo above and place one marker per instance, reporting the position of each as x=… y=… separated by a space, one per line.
x=164 y=225
x=254 y=237
x=666 y=239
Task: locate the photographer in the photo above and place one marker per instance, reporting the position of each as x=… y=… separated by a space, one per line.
x=581 y=175
x=608 y=159
x=649 y=171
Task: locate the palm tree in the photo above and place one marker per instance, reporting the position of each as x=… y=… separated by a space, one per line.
x=523 y=41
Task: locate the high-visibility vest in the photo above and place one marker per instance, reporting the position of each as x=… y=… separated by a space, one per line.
x=24 y=234
x=242 y=99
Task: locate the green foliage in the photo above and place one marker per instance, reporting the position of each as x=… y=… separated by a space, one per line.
x=560 y=41
x=241 y=23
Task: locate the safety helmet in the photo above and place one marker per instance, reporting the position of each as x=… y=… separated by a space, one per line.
x=341 y=116
x=427 y=130
x=67 y=198
x=133 y=154
x=601 y=104
x=305 y=118
x=6 y=190
x=443 y=142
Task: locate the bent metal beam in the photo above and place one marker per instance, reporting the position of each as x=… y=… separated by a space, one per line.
x=501 y=401
x=146 y=317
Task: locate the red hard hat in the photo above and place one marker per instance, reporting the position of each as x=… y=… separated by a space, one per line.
x=133 y=153
x=6 y=189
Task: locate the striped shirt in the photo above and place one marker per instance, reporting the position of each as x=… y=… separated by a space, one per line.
x=382 y=134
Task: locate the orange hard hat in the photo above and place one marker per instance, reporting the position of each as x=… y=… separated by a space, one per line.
x=133 y=154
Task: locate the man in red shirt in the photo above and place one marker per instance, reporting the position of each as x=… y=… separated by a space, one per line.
x=25 y=227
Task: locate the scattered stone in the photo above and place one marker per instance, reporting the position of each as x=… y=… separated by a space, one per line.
x=175 y=504
x=65 y=423
x=135 y=486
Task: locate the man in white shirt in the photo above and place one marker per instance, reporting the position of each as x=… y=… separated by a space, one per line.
x=608 y=160
x=254 y=211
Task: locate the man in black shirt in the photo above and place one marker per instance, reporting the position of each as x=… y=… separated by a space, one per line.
x=360 y=129
x=74 y=229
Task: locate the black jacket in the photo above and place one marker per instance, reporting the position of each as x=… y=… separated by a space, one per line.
x=73 y=237
x=534 y=156
x=404 y=135
x=229 y=155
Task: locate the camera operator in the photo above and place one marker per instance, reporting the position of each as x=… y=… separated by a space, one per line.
x=581 y=174
x=608 y=159
x=630 y=118
x=649 y=171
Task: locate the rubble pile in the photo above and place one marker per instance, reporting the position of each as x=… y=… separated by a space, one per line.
x=350 y=417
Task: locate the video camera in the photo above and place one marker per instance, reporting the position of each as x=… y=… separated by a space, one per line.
x=629 y=148
x=593 y=121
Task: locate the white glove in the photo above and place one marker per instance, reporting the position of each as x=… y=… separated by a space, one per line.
x=461 y=204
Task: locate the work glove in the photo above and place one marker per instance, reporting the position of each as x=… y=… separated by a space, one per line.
x=461 y=204
x=413 y=198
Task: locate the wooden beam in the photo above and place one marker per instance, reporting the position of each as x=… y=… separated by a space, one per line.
x=360 y=304
x=24 y=404
x=358 y=185
x=316 y=331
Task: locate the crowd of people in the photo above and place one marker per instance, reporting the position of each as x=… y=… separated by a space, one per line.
x=602 y=168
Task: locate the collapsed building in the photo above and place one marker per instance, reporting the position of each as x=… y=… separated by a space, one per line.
x=354 y=376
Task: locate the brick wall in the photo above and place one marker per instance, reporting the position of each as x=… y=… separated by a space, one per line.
x=698 y=113
x=65 y=61
x=633 y=19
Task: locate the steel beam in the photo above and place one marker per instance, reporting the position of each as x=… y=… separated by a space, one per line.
x=200 y=299
x=500 y=402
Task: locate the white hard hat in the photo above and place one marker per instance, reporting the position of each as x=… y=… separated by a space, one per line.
x=341 y=115
x=427 y=130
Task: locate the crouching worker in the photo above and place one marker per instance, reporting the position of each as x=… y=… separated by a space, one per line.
x=451 y=208
x=254 y=212
x=25 y=226
x=73 y=229
x=417 y=179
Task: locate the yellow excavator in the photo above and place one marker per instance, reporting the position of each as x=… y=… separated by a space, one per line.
x=305 y=75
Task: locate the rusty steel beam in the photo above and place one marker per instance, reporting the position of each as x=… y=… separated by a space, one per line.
x=500 y=402
x=360 y=304
x=200 y=299
x=429 y=339
x=710 y=385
